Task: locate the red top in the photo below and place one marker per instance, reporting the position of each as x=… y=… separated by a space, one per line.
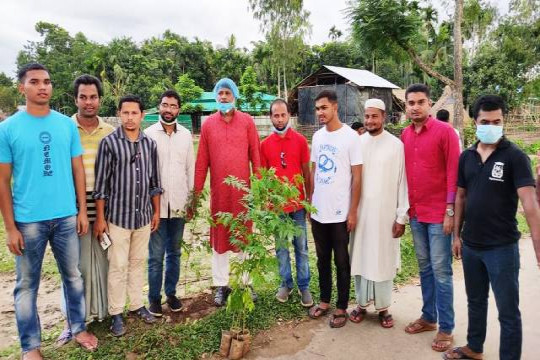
x=295 y=150
x=431 y=162
x=226 y=149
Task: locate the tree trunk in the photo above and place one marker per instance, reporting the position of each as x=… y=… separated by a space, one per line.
x=458 y=68
x=285 y=90
x=426 y=68
x=279 y=83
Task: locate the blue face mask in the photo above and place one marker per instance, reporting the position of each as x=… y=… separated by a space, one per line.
x=224 y=108
x=489 y=134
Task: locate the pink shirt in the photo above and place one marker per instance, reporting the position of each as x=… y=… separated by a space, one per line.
x=431 y=162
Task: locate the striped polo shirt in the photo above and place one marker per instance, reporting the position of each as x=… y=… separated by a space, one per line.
x=90 y=143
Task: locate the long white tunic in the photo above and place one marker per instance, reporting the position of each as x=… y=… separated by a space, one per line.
x=375 y=254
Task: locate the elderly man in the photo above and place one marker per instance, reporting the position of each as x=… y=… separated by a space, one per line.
x=229 y=145
x=382 y=215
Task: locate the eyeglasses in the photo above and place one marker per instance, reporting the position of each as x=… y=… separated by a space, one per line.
x=169 y=106
x=137 y=154
x=282 y=157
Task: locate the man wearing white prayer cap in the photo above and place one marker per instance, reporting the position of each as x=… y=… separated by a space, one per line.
x=382 y=215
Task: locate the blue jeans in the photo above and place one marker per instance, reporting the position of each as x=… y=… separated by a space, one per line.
x=500 y=268
x=300 y=252
x=62 y=236
x=434 y=254
x=164 y=242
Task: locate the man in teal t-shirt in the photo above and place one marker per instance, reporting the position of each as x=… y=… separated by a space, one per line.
x=40 y=148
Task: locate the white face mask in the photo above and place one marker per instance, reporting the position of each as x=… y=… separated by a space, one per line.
x=283 y=131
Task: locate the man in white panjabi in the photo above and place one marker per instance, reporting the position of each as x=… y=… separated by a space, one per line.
x=382 y=215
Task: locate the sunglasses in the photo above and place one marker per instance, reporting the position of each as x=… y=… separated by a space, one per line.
x=282 y=157
x=137 y=154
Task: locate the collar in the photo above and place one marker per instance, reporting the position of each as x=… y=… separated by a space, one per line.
x=100 y=122
x=427 y=125
x=120 y=133
x=503 y=144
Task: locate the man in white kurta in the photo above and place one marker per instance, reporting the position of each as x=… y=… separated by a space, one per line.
x=382 y=215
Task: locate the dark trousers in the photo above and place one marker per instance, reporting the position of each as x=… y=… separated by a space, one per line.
x=333 y=237
x=500 y=268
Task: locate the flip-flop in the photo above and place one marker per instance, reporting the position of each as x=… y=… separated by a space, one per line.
x=420 y=325
x=458 y=351
x=313 y=312
x=357 y=315
x=64 y=338
x=334 y=324
x=448 y=339
x=386 y=321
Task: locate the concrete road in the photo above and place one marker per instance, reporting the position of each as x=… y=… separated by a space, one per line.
x=368 y=340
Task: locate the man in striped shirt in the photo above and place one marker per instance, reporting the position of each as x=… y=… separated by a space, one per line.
x=93 y=262
x=127 y=179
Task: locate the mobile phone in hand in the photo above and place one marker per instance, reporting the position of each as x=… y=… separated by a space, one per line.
x=105 y=241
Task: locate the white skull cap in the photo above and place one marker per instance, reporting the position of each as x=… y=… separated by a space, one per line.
x=375 y=103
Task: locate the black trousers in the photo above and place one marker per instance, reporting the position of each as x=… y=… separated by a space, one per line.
x=333 y=237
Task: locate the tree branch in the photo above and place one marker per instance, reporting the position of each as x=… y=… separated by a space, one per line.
x=414 y=56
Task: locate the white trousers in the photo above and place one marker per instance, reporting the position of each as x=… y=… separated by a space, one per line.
x=221 y=268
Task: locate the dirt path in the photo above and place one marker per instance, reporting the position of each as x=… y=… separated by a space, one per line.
x=315 y=340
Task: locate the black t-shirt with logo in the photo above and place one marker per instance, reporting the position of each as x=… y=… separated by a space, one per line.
x=492 y=199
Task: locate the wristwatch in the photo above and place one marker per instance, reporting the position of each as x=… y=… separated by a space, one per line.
x=450 y=212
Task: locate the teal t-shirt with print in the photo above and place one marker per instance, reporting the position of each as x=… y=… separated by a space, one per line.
x=40 y=150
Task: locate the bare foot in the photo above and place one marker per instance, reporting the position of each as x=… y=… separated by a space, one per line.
x=32 y=355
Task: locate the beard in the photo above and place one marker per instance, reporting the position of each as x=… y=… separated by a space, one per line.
x=169 y=121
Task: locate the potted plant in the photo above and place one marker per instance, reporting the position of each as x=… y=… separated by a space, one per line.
x=253 y=231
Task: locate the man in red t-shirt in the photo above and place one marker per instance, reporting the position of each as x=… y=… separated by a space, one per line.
x=287 y=152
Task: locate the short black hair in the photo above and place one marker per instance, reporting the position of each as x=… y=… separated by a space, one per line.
x=329 y=94
x=86 y=79
x=279 y=101
x=415 y=88
x=131 y=98
x=21 y=74
x=357 y=125
x=443 y=115
x=170 y=93
x=488 y=103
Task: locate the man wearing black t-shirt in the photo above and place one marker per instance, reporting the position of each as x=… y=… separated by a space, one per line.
x=493 y=174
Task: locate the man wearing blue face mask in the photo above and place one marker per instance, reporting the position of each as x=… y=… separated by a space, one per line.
x=493 y=174
x=229 y=145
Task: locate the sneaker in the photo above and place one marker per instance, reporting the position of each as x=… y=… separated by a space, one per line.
x=222 y=293
x=305 y=298
x=155 y=308
x=174 y=303
x=283 y=293
x=144 y=315
x=117 y=326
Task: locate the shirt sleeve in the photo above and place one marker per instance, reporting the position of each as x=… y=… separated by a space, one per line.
x=203 y=160
x=402 y=210
x=190 y=160
x=521 y=170
x=264 y=159
x=355 y=150
x=155 y=181
x=304 y=155
x=76 y=146
x=254 y=146
x=6 y=156
x=102 y=170
x=461 y=181
x=313 y=156
x=451 y=148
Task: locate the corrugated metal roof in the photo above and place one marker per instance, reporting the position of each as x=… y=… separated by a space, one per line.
x=362 y=78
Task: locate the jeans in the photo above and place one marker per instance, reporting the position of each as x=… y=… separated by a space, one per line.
x=434 y=254
x=62 y=235
x=164 y=242
x=500 y=268
x=333 y=237
x=300 y=253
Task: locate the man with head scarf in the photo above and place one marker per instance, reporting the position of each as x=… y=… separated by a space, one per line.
x=229 y=144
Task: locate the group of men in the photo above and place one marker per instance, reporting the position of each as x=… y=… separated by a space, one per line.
x=79 y=182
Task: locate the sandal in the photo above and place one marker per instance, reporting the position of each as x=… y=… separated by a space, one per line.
x=458 y=351
x=357 y=315
x=420 y=325
x=442 y=342
x=316 y=312
x=339 y=323
x=386 y=320
x=64 y=338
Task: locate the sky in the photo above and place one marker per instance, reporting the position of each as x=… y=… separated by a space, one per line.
x=104 y=20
